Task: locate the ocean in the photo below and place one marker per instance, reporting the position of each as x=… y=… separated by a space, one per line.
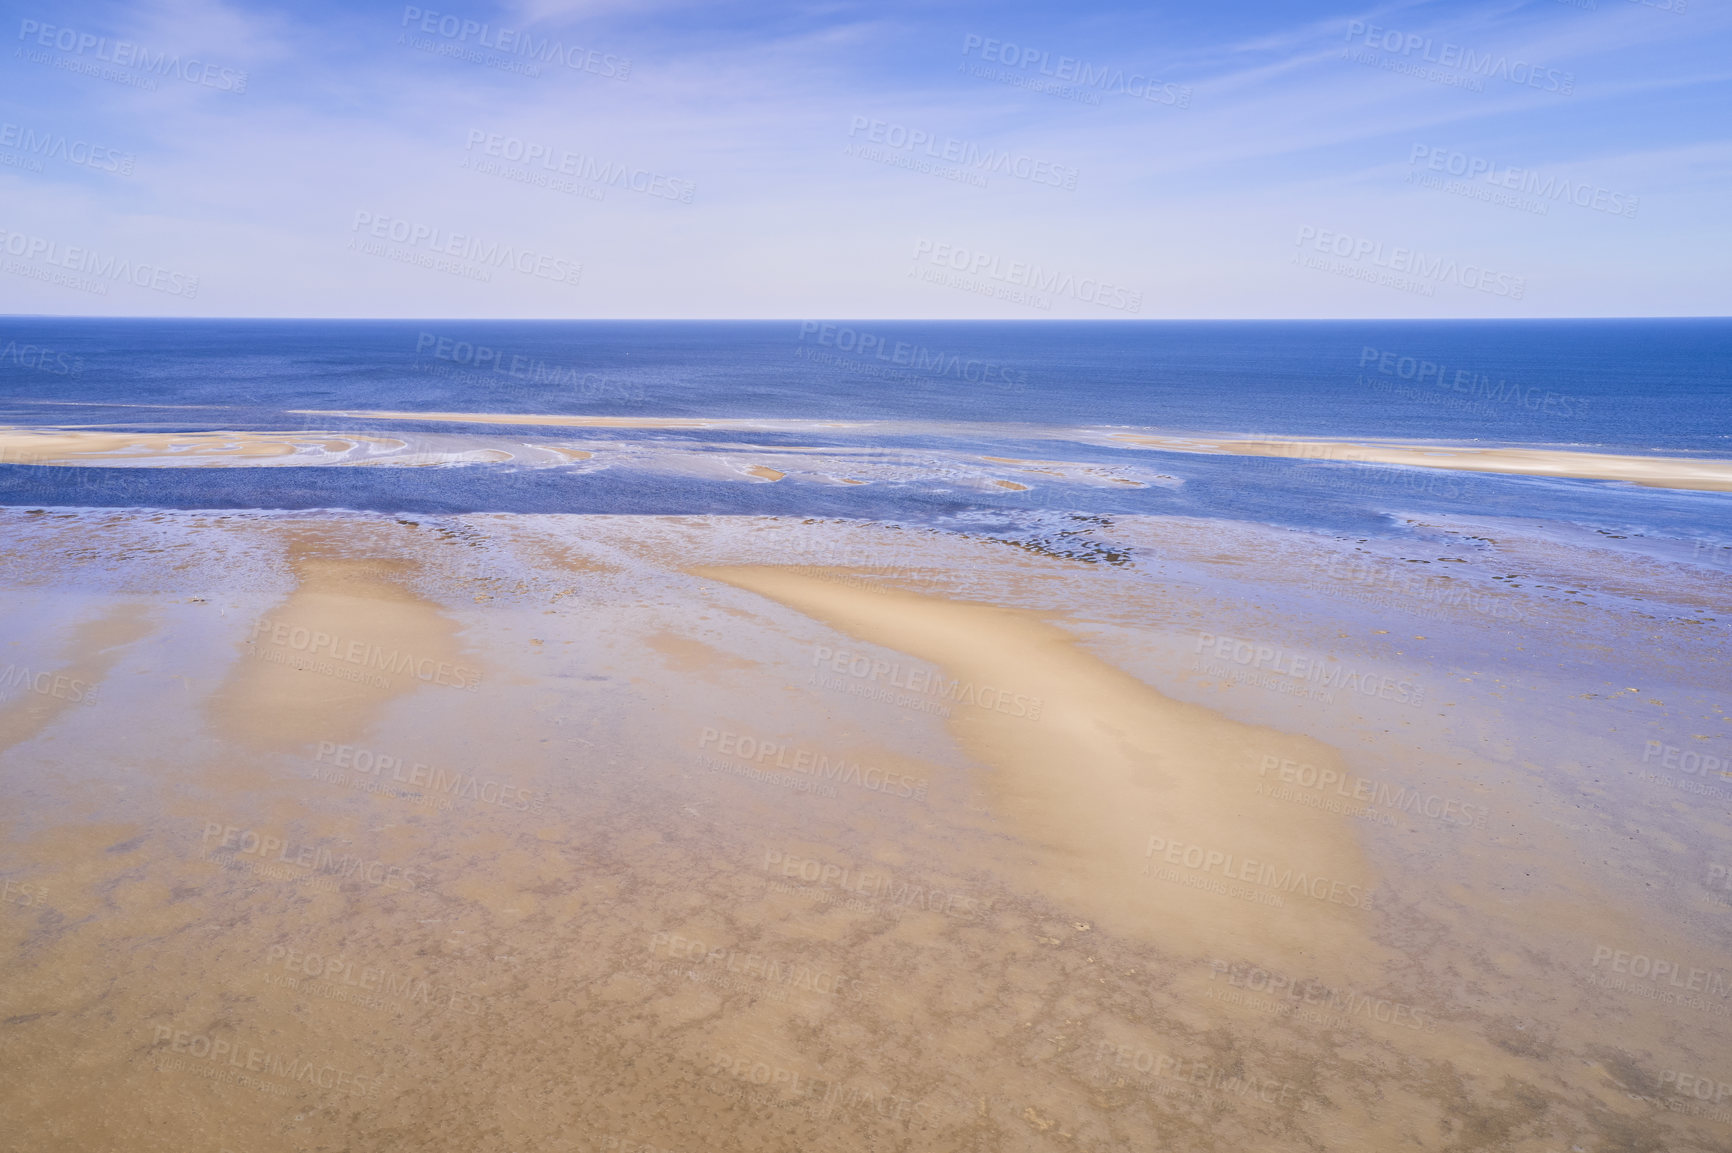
x=918 y=404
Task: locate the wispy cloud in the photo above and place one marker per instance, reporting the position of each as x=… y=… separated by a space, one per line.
x=1200 y=143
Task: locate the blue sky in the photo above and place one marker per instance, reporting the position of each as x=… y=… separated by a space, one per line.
x=562 y=158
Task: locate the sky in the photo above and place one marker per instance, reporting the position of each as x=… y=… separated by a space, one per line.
x=662 y=159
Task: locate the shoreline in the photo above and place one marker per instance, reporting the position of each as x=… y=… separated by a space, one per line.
x=101 y=448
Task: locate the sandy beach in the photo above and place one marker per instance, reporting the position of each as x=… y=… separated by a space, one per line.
x=1652 y=471
x=706 y=832
x=759 y=454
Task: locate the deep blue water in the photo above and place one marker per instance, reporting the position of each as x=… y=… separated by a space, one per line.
x=1625 y=385
x=1640 y=385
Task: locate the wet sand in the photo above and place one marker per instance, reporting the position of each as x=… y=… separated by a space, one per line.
x=1651 y=471
x=251 y=449
x=32 y=446
x=603 y=833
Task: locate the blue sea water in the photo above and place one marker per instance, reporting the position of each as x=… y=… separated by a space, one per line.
x=981 y=388
x=1639 y=385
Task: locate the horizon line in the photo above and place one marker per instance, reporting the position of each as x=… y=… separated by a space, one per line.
x=889 y=319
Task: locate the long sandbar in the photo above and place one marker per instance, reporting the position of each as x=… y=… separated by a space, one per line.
x=562 y=420
x=1651 y=471
x=1105 y=766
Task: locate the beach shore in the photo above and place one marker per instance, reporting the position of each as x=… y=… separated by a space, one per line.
x=642 y=817
x=1651 y=471
x=251 y=449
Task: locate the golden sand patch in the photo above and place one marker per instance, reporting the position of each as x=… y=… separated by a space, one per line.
x=32 y=447
x=348 y=640
x=1651 y=471
x=1112 y=776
